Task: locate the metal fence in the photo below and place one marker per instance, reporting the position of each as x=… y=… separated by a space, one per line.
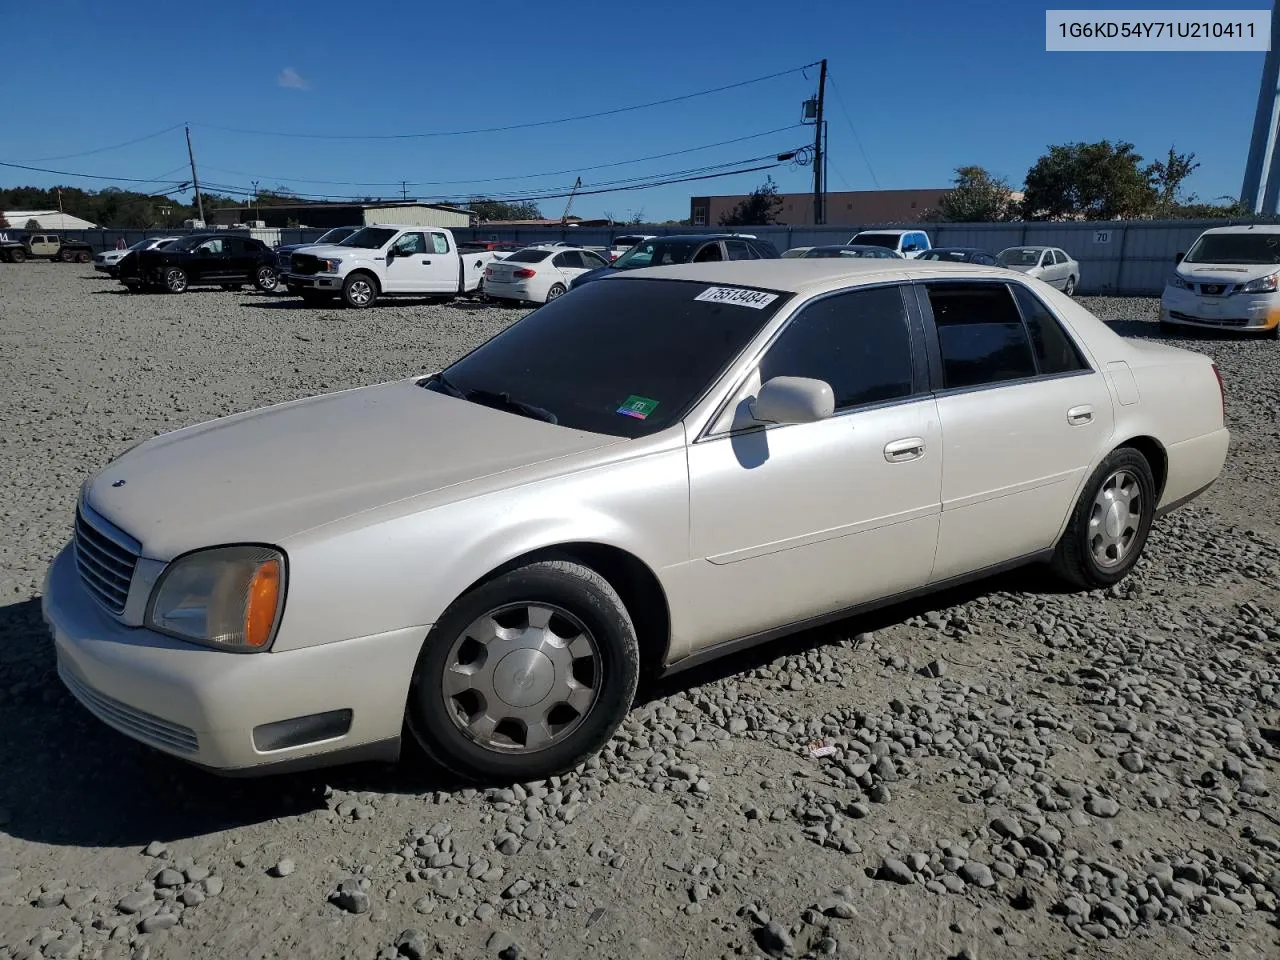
x=1124 y=258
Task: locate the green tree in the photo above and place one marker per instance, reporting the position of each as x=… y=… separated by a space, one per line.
x=487 y=209
x=978 y=197
x=760 y=208
x=1089 y=181
x=1167 y=176
x=33 y=224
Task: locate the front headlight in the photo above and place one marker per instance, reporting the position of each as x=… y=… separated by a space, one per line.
x=1262 y=284
x=329 y=266
x=1178 y=283
x=225 y=597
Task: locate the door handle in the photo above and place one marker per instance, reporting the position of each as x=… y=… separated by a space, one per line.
x=899 y=451
x=427 y=262
x=1080 y=415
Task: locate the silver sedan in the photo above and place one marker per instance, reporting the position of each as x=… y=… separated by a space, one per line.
x=1049 y=264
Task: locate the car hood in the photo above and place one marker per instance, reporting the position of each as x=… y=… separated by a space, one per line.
x=1226 y=272
x=1023 y=268
x=345 y=253
x=268 y=474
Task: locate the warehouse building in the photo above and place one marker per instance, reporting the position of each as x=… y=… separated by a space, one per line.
x=854 y=206
x=408 y=213
x=45 y=220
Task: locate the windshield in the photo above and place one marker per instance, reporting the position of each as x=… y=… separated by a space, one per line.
x=143 y=244
x=657 y=253
x=819 y=252
x=602 y=358
x=1020 y=257
x=889 y=240
x=1235 y=248
x=336 y=234
x=369 y=238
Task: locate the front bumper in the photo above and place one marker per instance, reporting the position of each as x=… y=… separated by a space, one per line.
x=328 y=282
x=1247 y=312
x=204 y=705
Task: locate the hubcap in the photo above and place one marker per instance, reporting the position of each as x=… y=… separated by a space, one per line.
x=267 y=278
x=360 y=292
x=521 y=678
x=1115 y=519
x=176 y=281
x=554 y=292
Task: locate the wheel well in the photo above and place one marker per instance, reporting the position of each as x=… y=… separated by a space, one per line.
x=368 y=273
x=1151 y=448
x=636 y=584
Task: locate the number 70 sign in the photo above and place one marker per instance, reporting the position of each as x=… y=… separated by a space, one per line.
x=1102 y=236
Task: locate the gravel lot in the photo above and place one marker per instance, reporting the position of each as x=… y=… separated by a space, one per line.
x=1018 y=772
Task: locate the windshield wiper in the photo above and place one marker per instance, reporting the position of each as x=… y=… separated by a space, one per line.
x=503 y=400
x=494 y=398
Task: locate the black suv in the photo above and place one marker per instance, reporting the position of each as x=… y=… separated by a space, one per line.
x=685 y=248
x=228 y=261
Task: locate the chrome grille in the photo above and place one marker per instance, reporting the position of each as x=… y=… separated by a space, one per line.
x=105 y=558
x=129 y=720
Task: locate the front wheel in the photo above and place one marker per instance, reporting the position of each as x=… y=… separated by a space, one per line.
x=83 y=257
x=556 y=291
x=359 y=291
x=266 y=279
x=526 y=676
x=1070 y=288
x=17 y=256
x=175 y=280
x=1110 y=522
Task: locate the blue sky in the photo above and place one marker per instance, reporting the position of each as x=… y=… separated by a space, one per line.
x=927 y=85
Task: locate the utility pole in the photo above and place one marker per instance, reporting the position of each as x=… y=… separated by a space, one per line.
x=255 y=198
x=404 y=189
x=59 y=201
x=819 y=181
x=195 y=181
x=1264 y=121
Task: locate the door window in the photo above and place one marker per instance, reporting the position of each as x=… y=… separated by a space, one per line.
x=411 y=243
x=980 y=334
x=569 y=260
x=709 y=253
x=439 y=243
x=858 y=342
x=1054 y=350
x=211 y=247
x=592 y=260
x=1046 y=260
x=738 y=250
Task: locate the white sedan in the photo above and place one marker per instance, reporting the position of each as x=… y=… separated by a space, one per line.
x=1049 y=264
x=108 y=261
x=539 y=274
x=668 y=465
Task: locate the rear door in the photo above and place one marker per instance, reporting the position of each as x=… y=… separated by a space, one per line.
x=241 y=257
x=568 y=265
x=739 y=250
x=1024 y=418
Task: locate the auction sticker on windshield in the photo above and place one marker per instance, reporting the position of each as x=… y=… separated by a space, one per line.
x=638 y=407
x=739 y=296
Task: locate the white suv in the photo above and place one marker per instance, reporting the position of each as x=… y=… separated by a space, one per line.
x=1229 y=279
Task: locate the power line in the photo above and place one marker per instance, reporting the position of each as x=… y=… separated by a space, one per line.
x=524 y=176
x=512 y=126
x=114 y=146
x=83 y=176
x=856 y=140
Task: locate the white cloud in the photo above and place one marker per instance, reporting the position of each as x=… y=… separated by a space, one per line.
x=290 y=77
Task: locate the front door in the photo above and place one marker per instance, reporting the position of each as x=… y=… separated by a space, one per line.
x=212 y=261
x=1024 y=417
x=795 y=521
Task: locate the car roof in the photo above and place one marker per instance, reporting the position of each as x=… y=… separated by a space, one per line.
x=958 y=249
x=878 y=230
x=799 y=275
x=1029 y=246
x=1247 y=228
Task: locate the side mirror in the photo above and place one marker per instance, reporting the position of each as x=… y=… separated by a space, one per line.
x=793 y=400
x=1177 y=257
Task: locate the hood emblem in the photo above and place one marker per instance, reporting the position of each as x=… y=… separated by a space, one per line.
x=119 y=483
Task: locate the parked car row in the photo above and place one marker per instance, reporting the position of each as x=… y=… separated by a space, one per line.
x=228 y=261
x=108 y=261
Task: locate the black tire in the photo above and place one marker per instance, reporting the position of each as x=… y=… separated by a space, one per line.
x=1074 y=559
x=65 y=256
x=17 y=256
x=1070 y=288
x=585 y=595
x=83 y=257
x=557 y=290
x=176 y=280
x=360 y=290
x=266 y=279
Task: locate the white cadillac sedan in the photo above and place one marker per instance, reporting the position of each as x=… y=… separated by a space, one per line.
x=539 y=274
x=669 y=465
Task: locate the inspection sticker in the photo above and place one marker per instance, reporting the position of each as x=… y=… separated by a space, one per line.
x=755 y=299
x=638 y=407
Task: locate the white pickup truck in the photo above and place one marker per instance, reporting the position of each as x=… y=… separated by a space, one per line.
x=386 y=260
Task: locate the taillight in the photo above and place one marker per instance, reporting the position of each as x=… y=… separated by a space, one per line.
x=488 y=271
x=524 y=273
x=1222 y=391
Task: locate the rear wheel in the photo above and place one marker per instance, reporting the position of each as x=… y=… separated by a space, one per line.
x=83 y=257
x=1110 y=523
x=556 y=291
x=266 y=279
x=65 y=256
x=175 y=280
x=359 y=291
x=526 y=676
x=1070 y=288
